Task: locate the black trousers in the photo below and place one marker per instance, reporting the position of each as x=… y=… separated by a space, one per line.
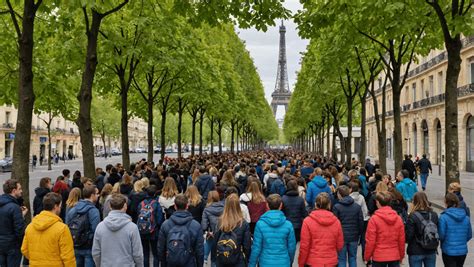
x=453 y=261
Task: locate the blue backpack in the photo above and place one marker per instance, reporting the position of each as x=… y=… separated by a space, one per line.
x=178 y=242
x=146 y=218
x=278 y=187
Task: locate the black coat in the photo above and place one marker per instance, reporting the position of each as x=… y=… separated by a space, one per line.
x=243 y=240
x=350 y=215
x=408 y=165
x=38 y=201
x=197 y=211
x=294 y=208
x=12 y=224
x=135 y=199
x=205 y=184
x=414 y=232
x=425 y=165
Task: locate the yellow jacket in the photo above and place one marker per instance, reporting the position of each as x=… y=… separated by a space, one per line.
x=48 y=242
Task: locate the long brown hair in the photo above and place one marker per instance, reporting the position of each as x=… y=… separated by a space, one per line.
x=257 y=196
x=195 y=175
x=212 y=197
x=169 y=188
x=228 y=178
x=420 y=202
x=74 y=197
x=193 y=195
x=232 y=216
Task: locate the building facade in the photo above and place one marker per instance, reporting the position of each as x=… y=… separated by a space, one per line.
x=422 y=109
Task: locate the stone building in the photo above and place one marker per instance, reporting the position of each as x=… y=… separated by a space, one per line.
x=422 y=109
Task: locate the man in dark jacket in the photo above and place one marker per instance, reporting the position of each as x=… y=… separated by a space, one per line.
x=425 y=168
x=294 y=207
x=350 y=215
x=408 y=165
x=41 y=191
x=204 y=183
x=12 y=224
x=369 y=167
x=181 y=224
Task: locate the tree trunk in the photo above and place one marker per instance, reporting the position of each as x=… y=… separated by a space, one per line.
x=232 y=135
x=397 y=132
x=212 y=134
x=49 y=145
x=201 y=122
x=334 y=150
x=193 y=132
x=328 y=135
x=124 y=125
x=220 y=124
x=453 y=47
x=363 y=127
x=181 y=107
x=150 y=127
x=163 y=133
x=348 y=140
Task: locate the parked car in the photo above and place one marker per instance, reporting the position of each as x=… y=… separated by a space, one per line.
x=115 y=152
x=6 y=164
x=157 y=150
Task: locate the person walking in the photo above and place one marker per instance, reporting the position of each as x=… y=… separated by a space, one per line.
x=256 y=203
x=12 y=224
x=48 y=235
x=82 y=220
x=204 y=183
x=456 y=189
x=233 y=236
x=117 y=239
x=210 y=218
x=385 y=225
x=316 y=186
x=425 y=168
x=409 y=166
x=196 y=203
x=421 y=233
x=274 y=242
x=406 y=186
x=180 y=242
x=360 y=200
x=350 y=215
x=455 y=231
x=41 y=191
x=294 y=208
x=321 y=236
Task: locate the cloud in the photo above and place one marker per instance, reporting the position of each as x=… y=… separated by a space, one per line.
x=263 y=47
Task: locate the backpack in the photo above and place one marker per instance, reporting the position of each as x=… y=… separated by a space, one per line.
x=146 y=217
x=227 y=249
x=169 y=211
x=429 y=236
x=270 y=182
x=278 y=187
x=179 y=245
x=80 y=228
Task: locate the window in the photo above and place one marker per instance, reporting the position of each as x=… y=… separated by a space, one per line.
x=431 y=85
x=407 y=95
x=471 y=64
x=7 y=117
x=380 y=83
x=414 y=91
x=440 y=82
x=422 y=85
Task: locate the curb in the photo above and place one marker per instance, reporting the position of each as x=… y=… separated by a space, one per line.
x=440 y=207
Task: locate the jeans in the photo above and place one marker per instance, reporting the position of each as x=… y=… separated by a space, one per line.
x=84 y=258
x=453 y=261
x=348 y=250
x=11 y=258
x=424 y=178
x=148 y=243
x=386 y=264
x=428 y=260
x=209 y=245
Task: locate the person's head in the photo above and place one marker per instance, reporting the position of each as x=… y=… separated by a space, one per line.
x=254 y=189
x=402 y=175
x=45 y=182
x=98 y=171
x=66 y=173
x=228 y=177
x=181 y=202
x=378 y=175
x=354 y=187
x=318 y=171
x=118 y=202
x=451 y=200
x=292 y=185
x=386 y=179
x=231 y=190
x=87 y=181
x=343 y=191
x=145 y=181
x=232 y=215
x=212 y=197
x=192 y=193
x=108 y=168
x=52 y=203
x=12 y=187
x=352 y=174
x=454 y=188
x=138 y=186
x=383 y=198
x=73 y=197
x=202 y=169
x=116 y=188
x=106 y=190
x=77 y=175
x=151 y=191
x=274 y=202
x=169 y=188
x=127 y=179
x=424 y=156
x=90 y=193
x=323 y=201
x=420 y=202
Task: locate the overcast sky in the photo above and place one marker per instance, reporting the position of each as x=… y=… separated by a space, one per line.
x=263 y=47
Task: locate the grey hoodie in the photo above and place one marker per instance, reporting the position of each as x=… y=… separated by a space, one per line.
x=117 y=242
x=210 y=216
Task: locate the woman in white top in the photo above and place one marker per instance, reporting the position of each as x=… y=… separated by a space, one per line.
x=168 y=194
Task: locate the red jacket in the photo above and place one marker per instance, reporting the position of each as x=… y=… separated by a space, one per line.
x=321 y=239
x=385 y=236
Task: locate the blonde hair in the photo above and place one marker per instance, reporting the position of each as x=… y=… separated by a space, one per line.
x=169 y=188
x=232 y=216
x=193 y=195
x=146 y=182
x=106 y=190
x=195 y=175
x=257 y=196
x=73 y=198
x=454 y=187
x=116 y=188
x=213 y=171
x=420 y=202
x=381 y=187
x=138 y=186
x=228 y=178
x=212 y=197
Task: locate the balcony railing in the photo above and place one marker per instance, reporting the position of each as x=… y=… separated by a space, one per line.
x=7 y=125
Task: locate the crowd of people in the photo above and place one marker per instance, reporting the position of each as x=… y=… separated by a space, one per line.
x=245 y=209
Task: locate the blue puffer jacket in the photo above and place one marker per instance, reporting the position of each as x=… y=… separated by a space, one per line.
x=274 y=242
x=363 y=181
x=407 y=188
x=349 y=214
x=316 y=186
x=454 y=231
x=12 y=224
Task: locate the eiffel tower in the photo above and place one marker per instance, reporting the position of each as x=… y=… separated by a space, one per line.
x=281 y=95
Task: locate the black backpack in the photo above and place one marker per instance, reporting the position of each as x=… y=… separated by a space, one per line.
x=270 y=181
x=227 y=248
x=429 y=236
x=178 y=242
x=80 y=228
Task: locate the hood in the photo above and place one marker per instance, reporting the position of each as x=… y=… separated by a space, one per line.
x=181 y=217
x=216 y=208
x=44 y=220
x=347 y=200
x=387 y=214
x=41 y=191
x=116 y=220
x=83 y=206
x=205 y=177
x=356 y=195
x=457 y=214
x=273 y=218
x=5 y=199
x=320 y=182
x=459 y=196
x=292 y=193
x=272 y=175
x=323 y=217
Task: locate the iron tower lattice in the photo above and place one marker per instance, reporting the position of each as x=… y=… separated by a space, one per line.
x=281 y=95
